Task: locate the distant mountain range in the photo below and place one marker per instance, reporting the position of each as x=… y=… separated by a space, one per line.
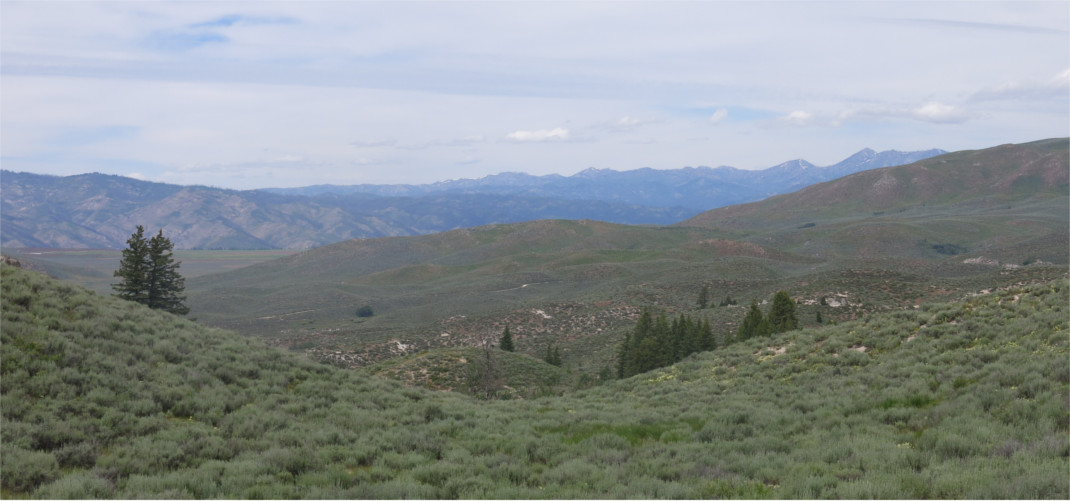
x=101 y=211
x=695 y=188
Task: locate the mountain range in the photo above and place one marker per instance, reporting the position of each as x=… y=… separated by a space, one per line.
x=930 y=359
x=101 y=211
x=695 y=188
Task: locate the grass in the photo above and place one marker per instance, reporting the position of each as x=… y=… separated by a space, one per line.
x=92 y=268
x=962 y=399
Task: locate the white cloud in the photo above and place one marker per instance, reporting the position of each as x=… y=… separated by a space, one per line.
x=1055 y=87
x=718 y=116
x=931 y=112
x=557 y=134
x=939 y=113
x=797 y=118
x=372 y=143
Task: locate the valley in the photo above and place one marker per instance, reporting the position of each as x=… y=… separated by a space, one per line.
x=930 y=362
x=590 y=279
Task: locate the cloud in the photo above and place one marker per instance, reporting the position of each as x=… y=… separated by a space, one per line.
x=797 y=118
x=372 y=143
x=939 y=113
x=629 y=122
x=718 y=116
x=956 y=24
x=534 y=136
x=169 y=40
x=1055 y=87
x=229 y=20
x=932 y=112
x=467 y=140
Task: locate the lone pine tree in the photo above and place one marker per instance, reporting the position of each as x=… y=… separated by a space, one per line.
x=148 y=274
x=506 y=342
x=782 y=313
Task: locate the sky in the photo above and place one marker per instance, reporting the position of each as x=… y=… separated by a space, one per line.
x=257 y=94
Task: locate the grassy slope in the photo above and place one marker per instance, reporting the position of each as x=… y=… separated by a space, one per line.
x=586 y=278
x=102 y=398
x=991 y=177
x=93 y=268
x=885 y=239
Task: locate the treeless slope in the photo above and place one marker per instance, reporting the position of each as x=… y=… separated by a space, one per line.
x=980 y=178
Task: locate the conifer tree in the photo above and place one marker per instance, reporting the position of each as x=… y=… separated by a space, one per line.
x=553 y=355
x=706 y=341
x=704 y=297
x=148 y=274
x=506 y=342
x=782 y=313
x=752 y=323
x=133 y=269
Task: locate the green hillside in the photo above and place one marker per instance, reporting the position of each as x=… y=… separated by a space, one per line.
x=953 y=225
x=107 y=399
x=992 y=178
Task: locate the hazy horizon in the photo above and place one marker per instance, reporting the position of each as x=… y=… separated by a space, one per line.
x=245 y=95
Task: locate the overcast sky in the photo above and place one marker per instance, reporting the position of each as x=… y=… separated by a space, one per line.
x=277 y=94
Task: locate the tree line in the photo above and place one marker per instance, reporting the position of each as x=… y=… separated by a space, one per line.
x=657 y=342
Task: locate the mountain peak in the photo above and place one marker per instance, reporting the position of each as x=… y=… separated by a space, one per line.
x=591 y=172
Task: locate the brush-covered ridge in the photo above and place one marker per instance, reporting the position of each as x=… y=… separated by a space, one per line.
x=958 y=400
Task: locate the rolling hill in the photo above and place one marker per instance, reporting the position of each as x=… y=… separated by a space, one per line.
x=107 y=399
x=100 y=211
x=988 y=178
x=580 y=284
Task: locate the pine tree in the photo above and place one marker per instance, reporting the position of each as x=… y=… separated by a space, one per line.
x=782 y=313
x=706 y=340
x=553 y=355
x=752 y=323
x=704 y=297
x=506 y=342
x=133 y=269
x=149 y=275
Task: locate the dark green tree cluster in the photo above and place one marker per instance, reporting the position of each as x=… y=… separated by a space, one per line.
x=148 y=274
x=704 y=302
x=655 y=342
x=781 y=318
x=553 y=355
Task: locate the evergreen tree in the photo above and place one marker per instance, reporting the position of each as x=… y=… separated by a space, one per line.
x=656 y=342
x=506 y=342
x=553 y=355
x=148 y=274
x=706 y=341
x=133 y=269
x=819 y=319
x=752 y=323
x=629 y=359
x=704 y=297
x=659 y=348
x=782 y=313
